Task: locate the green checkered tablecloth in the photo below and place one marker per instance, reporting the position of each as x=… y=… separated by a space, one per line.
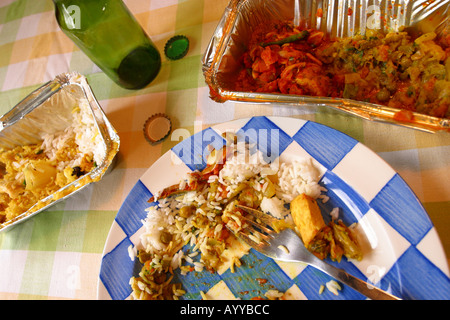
x=57 y=254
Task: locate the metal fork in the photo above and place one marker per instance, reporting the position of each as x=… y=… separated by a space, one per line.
x=286 y=245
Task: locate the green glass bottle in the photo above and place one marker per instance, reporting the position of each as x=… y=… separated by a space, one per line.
x=110 y=36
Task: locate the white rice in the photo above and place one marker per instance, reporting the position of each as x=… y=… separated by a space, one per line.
x=334 y=214
x=87 y=135
x=273 y=294
x=244 y=166
x=299 y=177
x=275 y=207
x=334 y=287
x=84 y=129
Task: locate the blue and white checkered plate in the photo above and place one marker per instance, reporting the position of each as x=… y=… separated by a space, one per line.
x=403 y=254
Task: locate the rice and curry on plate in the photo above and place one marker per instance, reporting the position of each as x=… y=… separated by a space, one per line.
x=201 y=212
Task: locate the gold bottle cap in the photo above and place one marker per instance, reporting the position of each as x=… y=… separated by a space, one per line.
x=157 y=128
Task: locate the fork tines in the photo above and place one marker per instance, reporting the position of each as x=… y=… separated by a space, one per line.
x=259 y=234
x=260 y=216
x=259 y=230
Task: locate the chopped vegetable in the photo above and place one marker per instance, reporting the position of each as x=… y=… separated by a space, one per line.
x=295 y=37
x=347 y=240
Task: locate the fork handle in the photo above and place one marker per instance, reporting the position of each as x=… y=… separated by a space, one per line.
x=359 y=285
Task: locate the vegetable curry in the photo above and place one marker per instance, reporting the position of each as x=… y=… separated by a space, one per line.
x=390 y=69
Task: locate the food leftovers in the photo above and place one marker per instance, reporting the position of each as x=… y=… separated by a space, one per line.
x=31 y=174
x=391 y=69
x=187 y=225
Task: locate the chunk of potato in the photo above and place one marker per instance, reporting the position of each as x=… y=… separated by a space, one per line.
x=307 y=217
x=38 y=174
